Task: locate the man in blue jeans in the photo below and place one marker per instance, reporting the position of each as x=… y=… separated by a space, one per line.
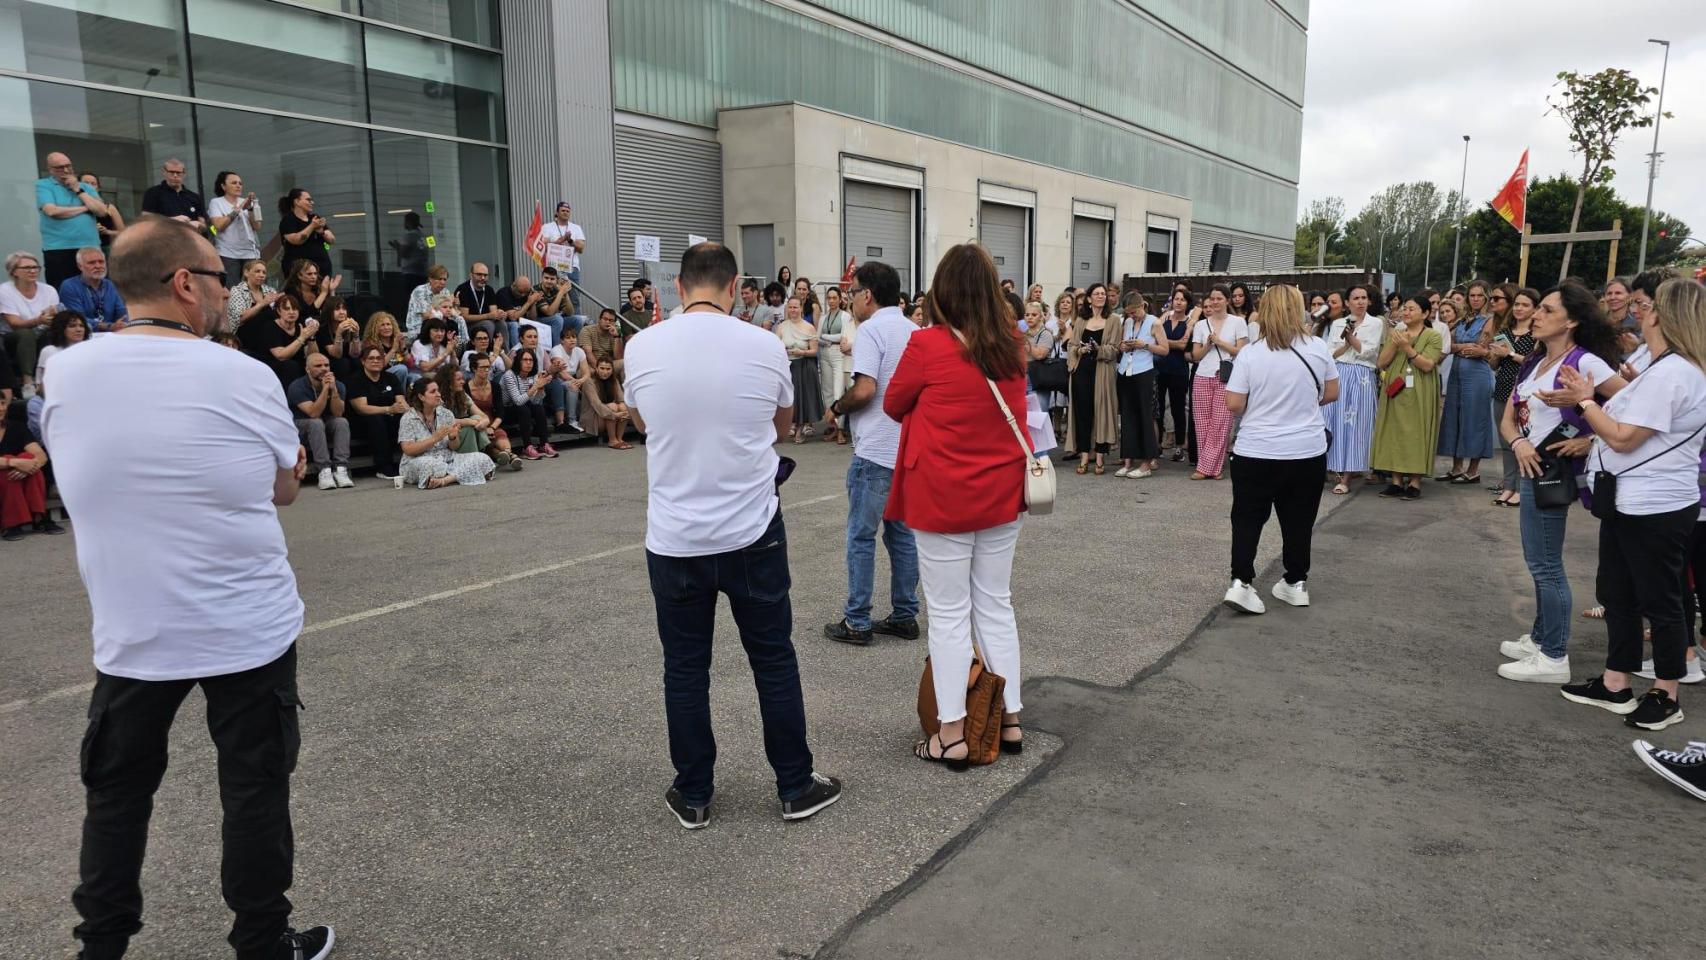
x=883 y=333
x=714 y=395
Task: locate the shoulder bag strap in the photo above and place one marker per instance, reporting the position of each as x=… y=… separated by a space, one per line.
x=1018 y=435
x=1319 y=390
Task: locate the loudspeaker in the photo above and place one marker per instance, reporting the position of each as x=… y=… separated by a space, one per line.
x=1220 y=258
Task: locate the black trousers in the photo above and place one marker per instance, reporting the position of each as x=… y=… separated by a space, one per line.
x=1642 y=565
x=58 y=266
x=1695 y=595
x=379 y=432
x=1173 y=392
x=1083 y=407
x=1289 y=488
x=1137 y=399
x=252 y=718
x=531 y=424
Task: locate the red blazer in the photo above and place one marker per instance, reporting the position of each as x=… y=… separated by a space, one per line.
x=959 y=468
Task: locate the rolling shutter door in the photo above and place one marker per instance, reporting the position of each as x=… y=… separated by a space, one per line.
x=877 y=221
x=1003 y=232
x=1247 y=254
x=1089 y=251
x=666 y=187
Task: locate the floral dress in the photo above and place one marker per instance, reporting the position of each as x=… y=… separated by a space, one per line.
x=470 y=469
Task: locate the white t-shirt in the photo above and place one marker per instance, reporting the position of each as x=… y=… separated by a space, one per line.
x=237 y=240
x=424 y=352
x=27 y=308
x=876 y=352
x=1542 y=419
x=1232 y=330
x=707 y=386
x=572 y=359
x=568 y=233
x=1446 y=359
x=178 y=542
x=1669 y=399
x=1282 y=419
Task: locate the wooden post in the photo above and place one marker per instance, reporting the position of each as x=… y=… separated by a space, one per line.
x=1611 y=263
x=1522 y=268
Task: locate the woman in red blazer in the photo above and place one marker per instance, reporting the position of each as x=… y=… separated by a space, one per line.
x=959 y=484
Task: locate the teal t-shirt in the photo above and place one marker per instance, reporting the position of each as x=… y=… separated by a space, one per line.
x=71 y=232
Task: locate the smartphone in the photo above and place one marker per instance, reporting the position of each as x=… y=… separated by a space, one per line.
x=1502 y=341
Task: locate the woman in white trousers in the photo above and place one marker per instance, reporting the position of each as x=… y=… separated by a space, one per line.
x=959 y=485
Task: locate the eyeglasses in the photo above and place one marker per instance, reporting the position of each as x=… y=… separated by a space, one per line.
x=59 y=166
x=1641 y=305
x=1496 y=298
x=482 y=275
x=28 y=266
x=198 y=271
x=854 y=292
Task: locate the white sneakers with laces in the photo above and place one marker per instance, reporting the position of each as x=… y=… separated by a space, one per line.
x=327 y=482
x=1296 y=594
x=1693 y=675
x=1521 y=648
x=341 y=475
x=1537 y=668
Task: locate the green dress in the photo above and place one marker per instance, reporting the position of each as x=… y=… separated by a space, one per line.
x=1406 y=427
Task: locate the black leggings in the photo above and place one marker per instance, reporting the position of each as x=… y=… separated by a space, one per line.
x=1695 y=598
x=1289 y=488
x=1137 y=397
x=1643 y=565
x=530 y=422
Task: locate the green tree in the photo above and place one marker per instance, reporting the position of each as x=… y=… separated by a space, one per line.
x=1553 y=204
x=1597 y=108
x=1396 y=228
x=1326 y=215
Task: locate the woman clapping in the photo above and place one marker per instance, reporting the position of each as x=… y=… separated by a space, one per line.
x=1406 y=428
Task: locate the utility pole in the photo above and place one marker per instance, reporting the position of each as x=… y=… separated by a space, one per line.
x=1462 y=184
x=1321 y=251
x=1653 y=158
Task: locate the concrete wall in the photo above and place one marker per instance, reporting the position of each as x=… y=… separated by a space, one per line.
x=782 y=165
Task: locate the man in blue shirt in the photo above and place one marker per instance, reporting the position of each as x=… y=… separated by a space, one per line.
x=68 y=208
x=93 y=295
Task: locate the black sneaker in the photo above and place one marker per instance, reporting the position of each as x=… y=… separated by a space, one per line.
x=314 y=943
x=1594 y=694
x=1392 y=490
x=1686 y=769
x=693 y=818
x=904 y=629
x=1656 y=711
x=13 y=533
x=824 y=791
x=47 y=526
x=1412 y=493
x=842 y=633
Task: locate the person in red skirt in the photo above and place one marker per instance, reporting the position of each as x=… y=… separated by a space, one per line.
x=23 y=488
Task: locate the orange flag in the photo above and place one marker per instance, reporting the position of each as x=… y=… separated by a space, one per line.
x=535 y=241
x=1512 y=201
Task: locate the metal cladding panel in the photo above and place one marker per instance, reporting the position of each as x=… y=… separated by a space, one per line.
x=666 y=187
x=1248 y=253
x=877 y=225
x=1089 y=251
x=1004 y=232
x=559 y=131
x=685 y=62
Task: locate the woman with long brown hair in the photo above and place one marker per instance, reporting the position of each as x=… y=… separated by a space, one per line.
x=959 y=485
x=1092 y=352
x=1512 y=343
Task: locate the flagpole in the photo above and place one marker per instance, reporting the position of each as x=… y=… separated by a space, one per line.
x=1462 y=208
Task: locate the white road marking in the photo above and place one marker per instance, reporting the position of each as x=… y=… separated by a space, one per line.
x=410 y=604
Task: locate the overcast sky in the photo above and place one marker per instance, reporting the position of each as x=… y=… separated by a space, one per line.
x=1393 y=86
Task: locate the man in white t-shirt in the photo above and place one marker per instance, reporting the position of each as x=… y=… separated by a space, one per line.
x=189 y=582
x=563 y=230
x=874 y=301
x=714 y=395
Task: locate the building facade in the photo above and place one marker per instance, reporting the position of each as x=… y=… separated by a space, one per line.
x=1077 y=139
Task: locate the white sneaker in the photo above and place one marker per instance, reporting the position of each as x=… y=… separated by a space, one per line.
x=341 y=475
x=1296 y=594
x=575 y=425
x=1140 y=473
x=1242 y=596
x=1123 y=472
x=1537 y=669
x=28 y=392
x=1693 y=675
x=1521 y=648
x=326 y=480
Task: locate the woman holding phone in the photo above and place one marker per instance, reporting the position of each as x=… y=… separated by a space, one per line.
x=1091 y=353
x=1354 y=341
x=1513 y=341
x=1216 y=339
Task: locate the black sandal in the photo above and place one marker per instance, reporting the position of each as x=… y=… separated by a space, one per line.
x=1464 y=478
x=921 y=750
x=1012 y=746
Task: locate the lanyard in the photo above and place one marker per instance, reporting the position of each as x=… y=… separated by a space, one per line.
x=158 y=322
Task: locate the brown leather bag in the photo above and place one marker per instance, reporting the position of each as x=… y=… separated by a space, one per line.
x=984 y=704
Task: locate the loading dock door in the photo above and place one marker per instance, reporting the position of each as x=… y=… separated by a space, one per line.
x=1089 y=251
x=1005 y=232
x=877 y=224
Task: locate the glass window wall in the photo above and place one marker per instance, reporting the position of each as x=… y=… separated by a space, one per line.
x=457 y=192
x=122 y=43
x=475 y=21
x=239 y=55
x=417 y=83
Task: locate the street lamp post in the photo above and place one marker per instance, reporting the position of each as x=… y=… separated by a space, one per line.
x=1653 y=158
x=1462 y=184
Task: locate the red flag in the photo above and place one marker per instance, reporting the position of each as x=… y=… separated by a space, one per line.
x=535 y=241
x=1512 y=201
x=657 y=308
x=847 y=275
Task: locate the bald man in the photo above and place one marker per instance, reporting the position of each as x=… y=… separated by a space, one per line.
x=479 y=304
x=68 y=208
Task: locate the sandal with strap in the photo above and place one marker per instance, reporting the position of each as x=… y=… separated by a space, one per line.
x=921 y=750
x=1013 y=746
x=1081 y=469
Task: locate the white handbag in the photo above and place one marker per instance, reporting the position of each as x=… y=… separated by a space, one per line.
x=1039 y=471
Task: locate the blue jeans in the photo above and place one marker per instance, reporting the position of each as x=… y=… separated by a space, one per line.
x=867 y=495
x=684 y=590
x=575 y=289
x=1543 y=551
